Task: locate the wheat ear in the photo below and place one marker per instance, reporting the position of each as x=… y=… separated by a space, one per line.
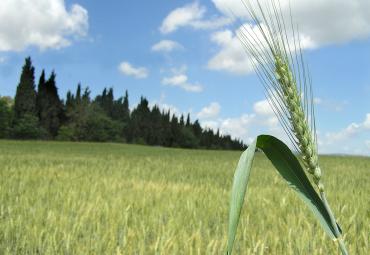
x=278 y=61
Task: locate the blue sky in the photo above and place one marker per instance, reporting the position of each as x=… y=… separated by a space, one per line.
x=184 y=55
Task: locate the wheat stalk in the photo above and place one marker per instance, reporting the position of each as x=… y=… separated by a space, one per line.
x=277 y=59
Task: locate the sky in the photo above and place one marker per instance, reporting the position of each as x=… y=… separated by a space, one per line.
x=184 y=55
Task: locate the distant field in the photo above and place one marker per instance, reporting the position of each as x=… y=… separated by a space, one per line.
x=80 y=198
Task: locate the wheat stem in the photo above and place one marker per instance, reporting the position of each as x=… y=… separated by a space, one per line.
x=340 y=240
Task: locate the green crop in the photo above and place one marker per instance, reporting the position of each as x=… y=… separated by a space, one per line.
x=92 y=198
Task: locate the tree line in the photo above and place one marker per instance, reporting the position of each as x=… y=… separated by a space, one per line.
x=39 y=113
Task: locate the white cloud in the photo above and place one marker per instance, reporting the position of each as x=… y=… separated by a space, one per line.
x=210 y=124
x=335 y=21
x=3 y=60
x=347 y=139
x=238 y=127
x=181 y=81
x=166 y=46
x=263 y=108
x=232 y=56
x=332 y=24
x=351 y=130
x=191 y=15
x=367 y=121
x=246 y=125
x=46 y=24
x=317 y=100
x=136 y=72
x=329 y=104
x=163 y=106
x=176 y=80
x=210 y=111
x=368 y=144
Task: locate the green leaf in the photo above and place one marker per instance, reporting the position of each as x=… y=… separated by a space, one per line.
x=289 y=168
x=240 y=183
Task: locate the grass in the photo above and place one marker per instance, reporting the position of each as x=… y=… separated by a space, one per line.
x=81 y=198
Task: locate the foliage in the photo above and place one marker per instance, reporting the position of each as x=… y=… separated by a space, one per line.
x=103 y=118
x=25 y=97
x=27 y=127
x=49 y=106
x=5 y=116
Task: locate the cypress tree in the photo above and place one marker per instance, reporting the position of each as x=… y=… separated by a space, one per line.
x=86 y=96
x=78 y=94
x=188 y=120
x=49 y=104
x=182 y=123
x=25 y=98
x=42 y=99
x=126 y=109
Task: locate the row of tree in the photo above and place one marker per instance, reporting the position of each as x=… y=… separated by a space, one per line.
x=41 y=114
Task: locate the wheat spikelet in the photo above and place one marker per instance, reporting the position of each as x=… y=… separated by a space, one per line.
x=278 y=61
x=297 y=119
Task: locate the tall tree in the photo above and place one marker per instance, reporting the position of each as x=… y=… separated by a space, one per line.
x=42 y=98
x=188 y=120
x=139 y=127
x=78 y=94
x=25 y=97
x=126 y=109
x=49 y=104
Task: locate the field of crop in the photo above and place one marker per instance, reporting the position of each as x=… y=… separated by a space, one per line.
x=80 y=198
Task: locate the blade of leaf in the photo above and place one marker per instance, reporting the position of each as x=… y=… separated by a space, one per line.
x=239 y=188
x=291 y=170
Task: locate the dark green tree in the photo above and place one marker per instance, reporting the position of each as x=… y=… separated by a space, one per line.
x=25 y=97
x=5 y=116
x=126 y=109
x=139 y=127
x=188 y=120
x=49 y=105
x=78 y=94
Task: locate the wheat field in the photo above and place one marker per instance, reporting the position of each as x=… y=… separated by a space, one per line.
x=89 y=198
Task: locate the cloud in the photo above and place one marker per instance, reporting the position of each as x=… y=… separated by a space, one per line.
x=263 y=108
x=368 y=144
x=176 y=80
x=46 y=24
x=210 y=111
x=332 y=25
x=181 y=81
x=351 y=130
x=163 y=106
x=366 y=123
x=136 y=72
x=3 y=60
x=191 y=15
x=331 y=105
x=245 y=126
x=166 y=46
x=335 y=21
x=347 y=139
x=232 y=56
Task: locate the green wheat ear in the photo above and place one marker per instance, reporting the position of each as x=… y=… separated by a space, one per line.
x=278 y=61
x=298 y=121
x=276 y=54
